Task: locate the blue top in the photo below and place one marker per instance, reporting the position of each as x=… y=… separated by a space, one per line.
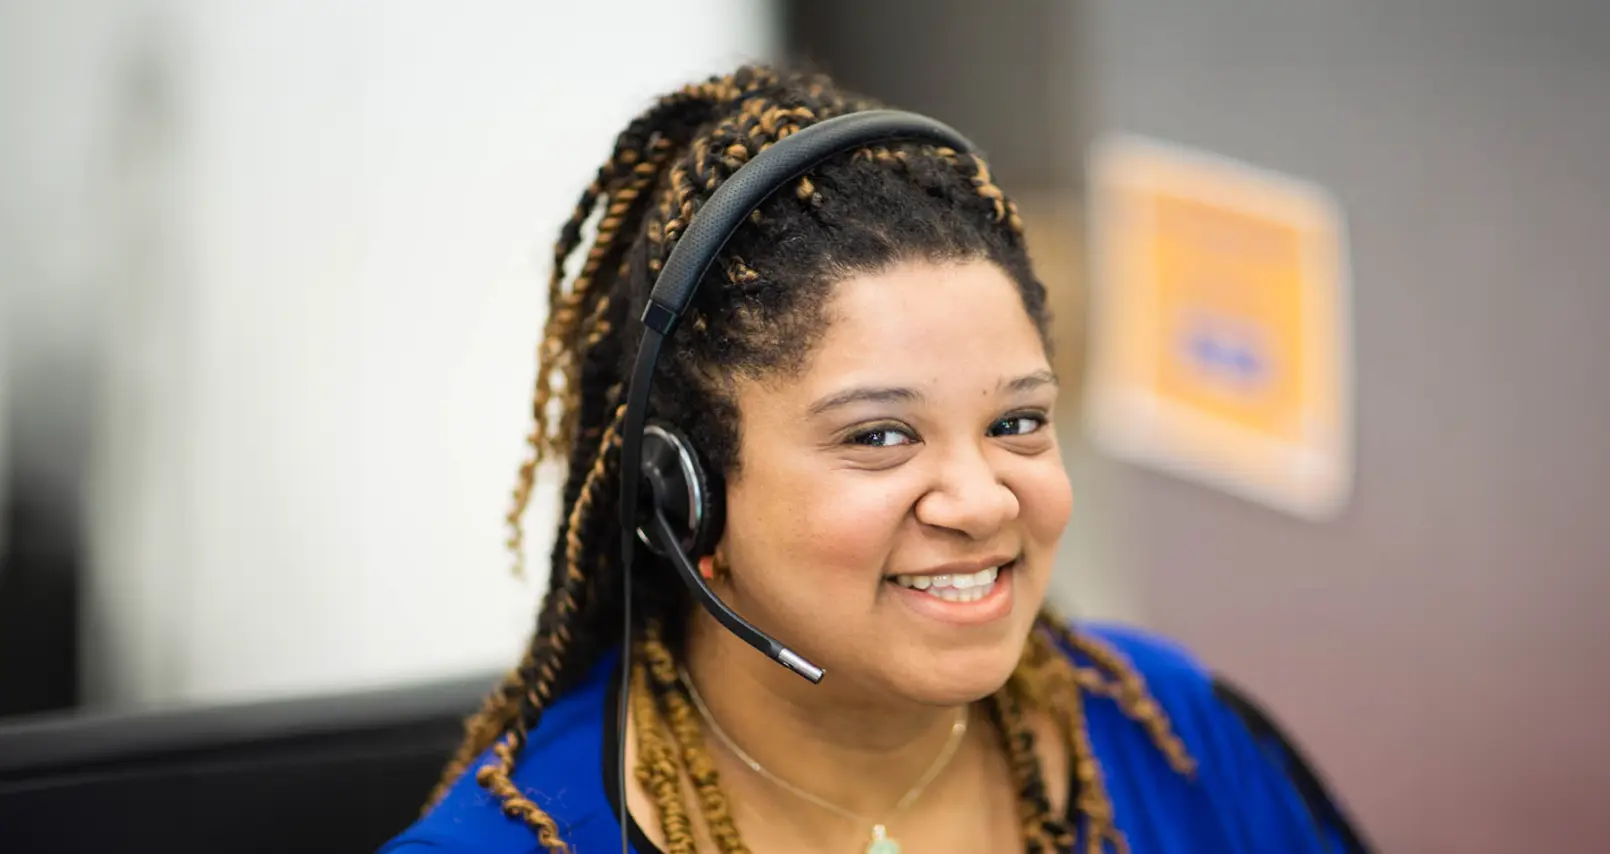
x=1251 y=794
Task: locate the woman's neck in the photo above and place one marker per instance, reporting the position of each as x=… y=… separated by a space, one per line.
x=861 y=753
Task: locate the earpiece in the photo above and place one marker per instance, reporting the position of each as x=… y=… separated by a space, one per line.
x=681 y=486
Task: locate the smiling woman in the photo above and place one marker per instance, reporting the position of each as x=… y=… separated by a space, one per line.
x=865 y=374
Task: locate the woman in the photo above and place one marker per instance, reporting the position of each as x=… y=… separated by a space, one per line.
x=867 y=370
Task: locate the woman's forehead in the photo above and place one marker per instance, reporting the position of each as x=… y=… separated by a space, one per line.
x=970 y=305
x=924 y=324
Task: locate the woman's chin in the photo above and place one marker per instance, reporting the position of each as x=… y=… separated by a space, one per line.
x=955 y=679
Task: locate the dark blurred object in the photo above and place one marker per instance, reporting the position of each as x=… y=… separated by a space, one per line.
x=1333 y=822
x=1007 y=74
x=332 y=774
x=39 y=569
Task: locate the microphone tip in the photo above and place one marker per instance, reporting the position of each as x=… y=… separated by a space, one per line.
x=794 y=662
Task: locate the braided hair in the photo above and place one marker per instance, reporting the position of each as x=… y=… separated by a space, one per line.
x=760 y=310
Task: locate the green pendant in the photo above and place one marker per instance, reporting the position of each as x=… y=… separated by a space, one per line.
x=881 y=843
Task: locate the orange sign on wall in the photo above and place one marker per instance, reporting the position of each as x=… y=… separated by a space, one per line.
x=1220 y=341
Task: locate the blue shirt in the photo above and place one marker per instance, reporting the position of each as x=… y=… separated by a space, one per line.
x=1244 y=798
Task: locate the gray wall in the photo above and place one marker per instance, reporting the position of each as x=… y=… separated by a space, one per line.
x=1442 y=648
x=1001 y=72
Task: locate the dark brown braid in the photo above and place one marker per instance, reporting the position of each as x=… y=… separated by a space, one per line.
x=1034 y=805
x=759 y=312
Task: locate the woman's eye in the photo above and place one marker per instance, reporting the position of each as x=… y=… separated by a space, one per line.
x=882 y=437
x=1017 y=425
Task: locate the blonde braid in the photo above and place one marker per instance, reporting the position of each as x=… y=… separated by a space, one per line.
x=657 y=769
x=1033 y=806
x=495 y=778
x=534 y=676
x=1133 y=698
x=1091 y=799
x=1005 y=209
x=1049 y=679
x=685 y=726
x=640 y=155
x=559 y=355
x=481 y=729
x=565 y=318
x=501 y=713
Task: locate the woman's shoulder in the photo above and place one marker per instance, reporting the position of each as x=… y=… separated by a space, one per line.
x=1199 y=700
x=1180 y=682
x=1183 y=687
x=1168 y=672
x=1265 y=791
x=560 y=769
x=1158 y=658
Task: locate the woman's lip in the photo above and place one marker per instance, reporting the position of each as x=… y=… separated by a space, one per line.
x=966 y=567
x=995 y=605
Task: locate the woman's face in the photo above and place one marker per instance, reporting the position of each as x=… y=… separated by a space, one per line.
x=897 y=506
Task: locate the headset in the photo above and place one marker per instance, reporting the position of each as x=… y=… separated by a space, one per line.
x=680 y=516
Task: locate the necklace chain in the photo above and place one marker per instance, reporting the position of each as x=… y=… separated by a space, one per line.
x=957 y=730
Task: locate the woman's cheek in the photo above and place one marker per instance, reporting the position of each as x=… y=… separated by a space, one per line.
x=1047 y=502
x=834 y=529
x=848 y=529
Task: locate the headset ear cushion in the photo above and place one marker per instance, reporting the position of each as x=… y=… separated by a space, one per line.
x=713 y=511
x=680 y=486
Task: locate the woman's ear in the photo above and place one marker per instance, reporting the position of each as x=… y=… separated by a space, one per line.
x=713 y=567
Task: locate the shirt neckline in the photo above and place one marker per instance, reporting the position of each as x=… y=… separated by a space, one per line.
x=611 y=753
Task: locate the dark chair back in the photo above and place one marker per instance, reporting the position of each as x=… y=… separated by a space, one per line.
x=328 y=774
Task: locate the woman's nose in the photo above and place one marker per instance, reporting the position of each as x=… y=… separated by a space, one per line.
x=968 y=496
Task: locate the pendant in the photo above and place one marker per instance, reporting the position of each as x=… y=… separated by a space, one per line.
x=881 y=843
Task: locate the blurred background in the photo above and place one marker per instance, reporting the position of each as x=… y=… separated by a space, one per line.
x=271 y=287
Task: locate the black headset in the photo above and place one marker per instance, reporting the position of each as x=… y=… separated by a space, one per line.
x=681 y=515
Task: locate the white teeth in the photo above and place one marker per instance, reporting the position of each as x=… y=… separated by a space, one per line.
x=951 y=594
x=953 y=588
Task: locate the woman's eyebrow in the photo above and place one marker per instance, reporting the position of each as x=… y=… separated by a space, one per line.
x=903 y=394
x=865 y=394
x=1030 y=382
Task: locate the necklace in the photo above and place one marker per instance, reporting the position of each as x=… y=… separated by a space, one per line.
x=881 y=842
